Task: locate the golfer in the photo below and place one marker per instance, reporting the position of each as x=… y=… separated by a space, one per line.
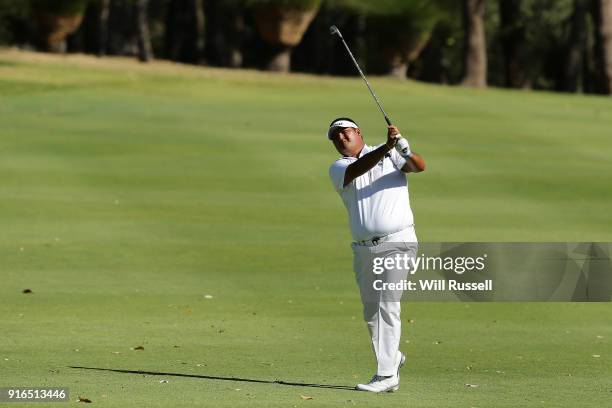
x=372 y=184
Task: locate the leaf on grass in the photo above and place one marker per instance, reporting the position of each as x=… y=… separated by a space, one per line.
x=471 y=385
x=304 y=397
x=138 y=348
x=27 y=291
x=83 y=399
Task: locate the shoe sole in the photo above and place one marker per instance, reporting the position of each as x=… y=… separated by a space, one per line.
x=391 y=389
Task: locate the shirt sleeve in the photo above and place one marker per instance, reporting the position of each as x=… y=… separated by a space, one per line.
x=397 y=159
x=337 y=171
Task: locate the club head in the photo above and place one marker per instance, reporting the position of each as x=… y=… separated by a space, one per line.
x=333 y=30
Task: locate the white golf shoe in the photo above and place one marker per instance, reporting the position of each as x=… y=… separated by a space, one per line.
x=383 y=384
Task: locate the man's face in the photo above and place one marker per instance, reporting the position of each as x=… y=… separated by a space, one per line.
x=348 y=141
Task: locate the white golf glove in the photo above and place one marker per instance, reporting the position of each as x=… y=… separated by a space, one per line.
x=403 y=147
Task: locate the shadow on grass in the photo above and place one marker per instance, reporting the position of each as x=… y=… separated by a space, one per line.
x=212 y=377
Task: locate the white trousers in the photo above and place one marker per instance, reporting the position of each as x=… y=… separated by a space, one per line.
x=381 y=310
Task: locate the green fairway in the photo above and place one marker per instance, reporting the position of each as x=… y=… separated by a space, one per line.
x=188 y=210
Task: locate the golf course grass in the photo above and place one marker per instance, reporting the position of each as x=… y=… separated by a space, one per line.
x=188 y=211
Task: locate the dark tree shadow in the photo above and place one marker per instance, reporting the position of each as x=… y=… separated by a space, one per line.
x=213 y=377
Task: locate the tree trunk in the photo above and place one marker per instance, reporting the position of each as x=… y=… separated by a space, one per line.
x=282 y=28
x=103 y=27
x=602 y=12
x=234 y=39
x=55 y=28
x=606 y=35
x=185 y=31
x=200 y=25
x=577 y=42
x=279 y=60
x=171 y=30
x=145 y=50
x=512 y=38
x=405 y=53
x=398 y=68
x=121 y=35
x=224 y=31
x=475 y=47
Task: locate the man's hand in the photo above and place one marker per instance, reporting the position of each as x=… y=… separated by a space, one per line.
x=403 y=148
x=395 y=139
x=414 y=162
x=392 y=135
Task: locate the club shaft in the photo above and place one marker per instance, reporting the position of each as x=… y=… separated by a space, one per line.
x=366 y=81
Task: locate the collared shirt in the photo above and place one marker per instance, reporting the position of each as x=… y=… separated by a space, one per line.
x=377 y=202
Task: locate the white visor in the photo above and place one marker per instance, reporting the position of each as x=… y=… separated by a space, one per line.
x=342 y=123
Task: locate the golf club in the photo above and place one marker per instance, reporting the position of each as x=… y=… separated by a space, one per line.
x=333 y=30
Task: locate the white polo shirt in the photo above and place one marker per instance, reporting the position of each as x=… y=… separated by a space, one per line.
x=377 y=202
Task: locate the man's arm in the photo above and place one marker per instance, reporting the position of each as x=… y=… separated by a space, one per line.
x=414 y=164
x=365 y=163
